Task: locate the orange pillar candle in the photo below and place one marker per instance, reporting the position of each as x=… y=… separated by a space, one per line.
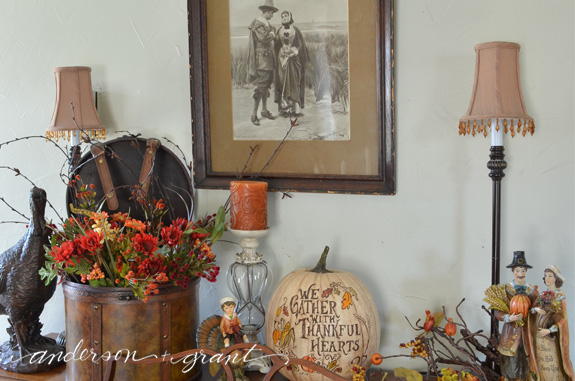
x=248 y=205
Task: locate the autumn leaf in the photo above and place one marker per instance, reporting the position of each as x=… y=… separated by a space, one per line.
x=327 y=292
x=346 y=301
x=353 y=293
x=408 y=374
x=279 y=312
x=438 y=316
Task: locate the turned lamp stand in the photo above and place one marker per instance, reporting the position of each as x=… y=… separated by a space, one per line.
x=496 y=164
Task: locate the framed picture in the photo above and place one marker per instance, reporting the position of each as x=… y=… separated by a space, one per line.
x=306 y=83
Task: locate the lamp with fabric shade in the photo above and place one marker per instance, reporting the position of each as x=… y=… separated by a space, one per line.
x=75 y=114
x=496 y=104
x=75 y=111
x=496 y=101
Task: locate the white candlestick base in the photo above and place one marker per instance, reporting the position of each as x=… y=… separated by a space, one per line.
x=249 y=243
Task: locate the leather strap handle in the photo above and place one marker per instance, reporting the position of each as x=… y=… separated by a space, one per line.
x=98 y=151
x=152 y=146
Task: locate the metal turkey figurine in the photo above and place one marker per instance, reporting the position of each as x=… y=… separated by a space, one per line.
x=23 y=295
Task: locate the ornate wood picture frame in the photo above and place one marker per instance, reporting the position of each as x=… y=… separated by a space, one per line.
x=363 y=164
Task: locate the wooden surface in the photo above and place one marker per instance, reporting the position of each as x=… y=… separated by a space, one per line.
x=59 y=374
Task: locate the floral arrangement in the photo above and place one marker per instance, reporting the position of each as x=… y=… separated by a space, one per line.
x=547 y=301
x=115 y=250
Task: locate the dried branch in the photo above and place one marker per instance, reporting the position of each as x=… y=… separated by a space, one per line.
x=14 y=210
x=441 y=348
x=240 y=175
x=293 y=123
x=18 y=173
x=179 y=150
x=35 y=137
x=130 y=134
x=252 y=150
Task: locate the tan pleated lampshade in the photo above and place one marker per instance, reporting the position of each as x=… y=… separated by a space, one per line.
x=74 y=88
x=496 y=92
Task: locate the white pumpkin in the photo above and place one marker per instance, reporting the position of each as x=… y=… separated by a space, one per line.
x=324 y=316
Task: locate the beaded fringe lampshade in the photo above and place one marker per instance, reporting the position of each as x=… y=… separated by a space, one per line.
x=496 y=93
x=75 y=111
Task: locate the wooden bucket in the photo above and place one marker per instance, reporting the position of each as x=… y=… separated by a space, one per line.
x=107 y=321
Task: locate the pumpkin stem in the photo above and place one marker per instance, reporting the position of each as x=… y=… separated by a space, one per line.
x=320 y=268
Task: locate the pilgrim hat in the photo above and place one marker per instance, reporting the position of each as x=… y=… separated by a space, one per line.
x=519 y=260
x=268 y=5
x=555 y=271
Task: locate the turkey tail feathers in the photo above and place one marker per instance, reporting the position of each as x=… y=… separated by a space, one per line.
x=208 y=332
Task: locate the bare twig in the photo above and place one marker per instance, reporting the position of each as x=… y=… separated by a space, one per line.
x=18 y=173
x=14 y=210
x=35 y=137
x=252 y=150
x=441 y=348
x=178 y=148
x=293 y=124
x=130 y=134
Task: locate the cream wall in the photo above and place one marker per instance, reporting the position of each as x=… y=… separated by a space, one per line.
x=425 y=247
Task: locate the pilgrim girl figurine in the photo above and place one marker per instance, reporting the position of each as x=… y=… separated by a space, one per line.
x=549 y=331
x=231 y=326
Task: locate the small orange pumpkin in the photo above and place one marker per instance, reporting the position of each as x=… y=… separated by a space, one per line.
x=308 y=358
x=450 y=327
x=520 y=304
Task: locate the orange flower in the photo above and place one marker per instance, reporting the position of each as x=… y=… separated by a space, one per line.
x=63 y=253
x=136 y=225
x=172 y=235
x=91 y=241
x=120 y=217
x=145 y=243
x=96 y=273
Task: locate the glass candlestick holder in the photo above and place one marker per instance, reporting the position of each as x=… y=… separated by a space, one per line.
x=247 y=278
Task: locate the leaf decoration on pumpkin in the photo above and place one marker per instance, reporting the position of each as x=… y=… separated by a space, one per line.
x=327 y=292
x=279 y=312
x=353 y=293
x=346 y=301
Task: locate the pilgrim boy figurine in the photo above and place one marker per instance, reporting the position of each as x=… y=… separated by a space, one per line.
x=231 y=326
x=513 y=342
